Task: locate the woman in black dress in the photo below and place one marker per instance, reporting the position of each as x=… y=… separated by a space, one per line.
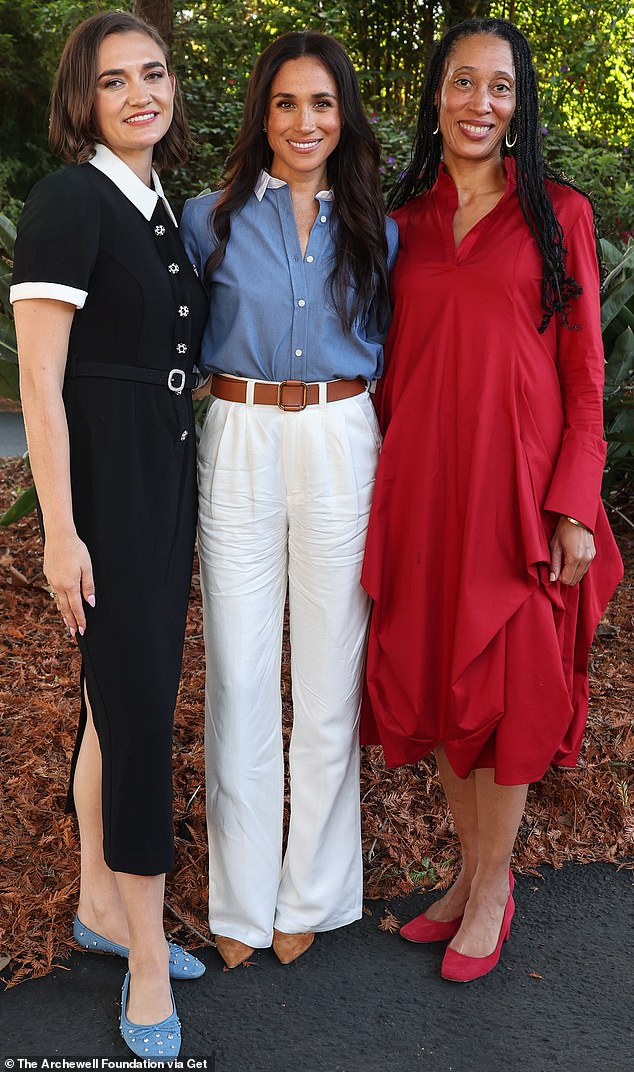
x=109 y=315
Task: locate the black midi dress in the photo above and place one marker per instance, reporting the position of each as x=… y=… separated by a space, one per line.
x=96 y=236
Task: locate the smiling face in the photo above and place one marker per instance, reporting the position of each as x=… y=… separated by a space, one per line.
x=134 y=99
x=303 y=120
x=476 y=100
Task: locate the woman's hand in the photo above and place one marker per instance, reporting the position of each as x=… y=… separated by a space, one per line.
x=571 y=552
x=68 y=570
x=203 y=390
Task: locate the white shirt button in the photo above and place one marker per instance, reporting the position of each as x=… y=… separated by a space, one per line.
x=309 y=259
x=323 y=219
x=301 y=303
x=298 y=353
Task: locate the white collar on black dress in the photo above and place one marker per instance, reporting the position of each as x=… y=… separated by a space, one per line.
x=266 y=181
x=141 y=196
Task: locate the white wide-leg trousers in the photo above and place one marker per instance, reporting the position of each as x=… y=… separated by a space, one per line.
x=284 y=500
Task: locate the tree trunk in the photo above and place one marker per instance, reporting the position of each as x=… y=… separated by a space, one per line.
x=160 y=13
x=457 y=10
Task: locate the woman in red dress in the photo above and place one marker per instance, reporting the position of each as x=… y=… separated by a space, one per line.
x=487 y=513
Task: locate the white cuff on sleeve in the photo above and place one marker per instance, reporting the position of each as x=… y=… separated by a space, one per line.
x=56 y=291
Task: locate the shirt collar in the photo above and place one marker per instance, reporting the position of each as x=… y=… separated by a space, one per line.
x=142 y=197
x=266 y=182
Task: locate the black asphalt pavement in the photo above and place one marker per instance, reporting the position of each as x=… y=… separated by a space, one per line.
x=363 y=1000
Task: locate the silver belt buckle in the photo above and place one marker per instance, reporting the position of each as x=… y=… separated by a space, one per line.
x=177 y=388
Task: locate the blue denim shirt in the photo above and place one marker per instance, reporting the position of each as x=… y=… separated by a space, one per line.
x=271 y=315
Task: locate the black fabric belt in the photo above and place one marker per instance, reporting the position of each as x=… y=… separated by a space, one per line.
x=177 y=380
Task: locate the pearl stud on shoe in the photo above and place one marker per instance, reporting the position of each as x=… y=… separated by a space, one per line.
x=182 y=964
x=160 y=1041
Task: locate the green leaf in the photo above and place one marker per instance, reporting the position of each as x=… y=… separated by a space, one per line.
x=616 y=301
x=7 y=235
x=610 y=253
x=621 y=361
x=8 y=342
x=618 y=263
x=21 y=507
x=9 y=379
x=5 y=284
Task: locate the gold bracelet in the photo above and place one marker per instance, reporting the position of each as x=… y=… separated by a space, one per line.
x=580 y=524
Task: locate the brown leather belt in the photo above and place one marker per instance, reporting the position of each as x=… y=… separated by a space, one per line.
x=289 y=395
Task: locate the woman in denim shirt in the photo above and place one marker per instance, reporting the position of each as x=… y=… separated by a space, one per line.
x=294 y=249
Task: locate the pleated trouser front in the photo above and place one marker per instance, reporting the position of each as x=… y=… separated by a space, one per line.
x=284 y=501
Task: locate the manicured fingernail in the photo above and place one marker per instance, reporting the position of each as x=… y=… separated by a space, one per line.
x=90 y=600
x=553 y=576
x=72 y=632
x=81 y=631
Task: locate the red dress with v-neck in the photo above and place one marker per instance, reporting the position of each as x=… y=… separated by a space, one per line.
x=491 y=432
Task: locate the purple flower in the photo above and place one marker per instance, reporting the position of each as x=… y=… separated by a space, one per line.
x=544 y=130
x=564 y=69
x=391 y=160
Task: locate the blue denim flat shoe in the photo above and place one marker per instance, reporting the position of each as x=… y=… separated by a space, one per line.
x=182 y=965
x=151 y=1041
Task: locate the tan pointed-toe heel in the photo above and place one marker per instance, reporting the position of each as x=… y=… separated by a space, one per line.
x=288 y=947
x=232 y=951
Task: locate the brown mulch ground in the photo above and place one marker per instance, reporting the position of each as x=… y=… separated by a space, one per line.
x=408 y=838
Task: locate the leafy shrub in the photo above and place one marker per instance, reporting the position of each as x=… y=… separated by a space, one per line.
x=617 y=322
x=604 y=172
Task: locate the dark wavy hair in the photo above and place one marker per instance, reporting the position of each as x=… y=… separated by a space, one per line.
x=73 y=131
x=558 y=288
x=353 y=173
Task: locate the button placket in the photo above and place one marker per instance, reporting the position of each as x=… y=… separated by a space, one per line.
x=170 y=255
x=298 y=343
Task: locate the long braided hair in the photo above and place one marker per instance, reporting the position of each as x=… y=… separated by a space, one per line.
x=360 y=260
x=558 y=288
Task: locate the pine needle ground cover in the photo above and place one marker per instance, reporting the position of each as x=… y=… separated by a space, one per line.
x=408 y=837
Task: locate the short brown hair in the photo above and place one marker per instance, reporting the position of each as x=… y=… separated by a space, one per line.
x=73 y=132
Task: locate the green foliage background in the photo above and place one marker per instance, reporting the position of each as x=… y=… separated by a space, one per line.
x=583 y=54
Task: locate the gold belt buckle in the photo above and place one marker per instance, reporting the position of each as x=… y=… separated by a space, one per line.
x=292 y=407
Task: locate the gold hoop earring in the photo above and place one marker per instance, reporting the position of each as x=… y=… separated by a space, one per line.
x=509 y=144
x=436 y=130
